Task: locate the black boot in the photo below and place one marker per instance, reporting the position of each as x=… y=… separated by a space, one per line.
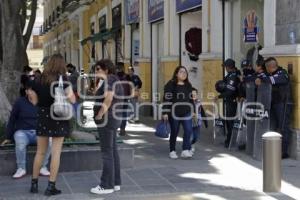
x=34 y=186
x=51 y=189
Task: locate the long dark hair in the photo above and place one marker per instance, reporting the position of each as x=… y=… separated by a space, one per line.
x=106 y=64
x=56 y=66
x=175 y=79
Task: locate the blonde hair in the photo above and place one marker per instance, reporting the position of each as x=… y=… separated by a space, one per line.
x=55 y=66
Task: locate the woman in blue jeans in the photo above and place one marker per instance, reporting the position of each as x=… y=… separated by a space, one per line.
x=179 y=108
x=21 y=128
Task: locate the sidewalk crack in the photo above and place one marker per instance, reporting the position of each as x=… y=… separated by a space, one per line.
x=164 y=179
x=67 y=184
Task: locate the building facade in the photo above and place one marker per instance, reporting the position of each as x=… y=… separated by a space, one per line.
x=155 y=36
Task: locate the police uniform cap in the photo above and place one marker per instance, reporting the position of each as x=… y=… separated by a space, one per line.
x=245 y=63
x=229 y=63
x=220 y=86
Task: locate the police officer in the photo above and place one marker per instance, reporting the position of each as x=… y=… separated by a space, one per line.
x=230 y=94
x=281 y=104
x=248 y=76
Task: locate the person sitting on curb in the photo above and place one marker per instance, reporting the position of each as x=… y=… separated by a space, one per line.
x=21 y=128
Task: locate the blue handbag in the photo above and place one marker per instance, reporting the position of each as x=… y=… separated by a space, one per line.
x=163 y=129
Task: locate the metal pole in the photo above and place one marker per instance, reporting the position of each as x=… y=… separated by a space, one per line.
x=180 y=35
x=151 y=63
x=131 y=46
x=223 y=53
x=223 y=35
x=271 y=162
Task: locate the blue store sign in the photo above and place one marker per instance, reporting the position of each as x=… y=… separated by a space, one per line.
x=132 y=11
x=155 y=10
x=185 y=5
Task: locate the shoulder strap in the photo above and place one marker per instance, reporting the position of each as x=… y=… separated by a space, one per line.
x=60 y=81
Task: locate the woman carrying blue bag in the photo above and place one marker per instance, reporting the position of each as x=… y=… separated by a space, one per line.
x=179 y=108
x=163 y=129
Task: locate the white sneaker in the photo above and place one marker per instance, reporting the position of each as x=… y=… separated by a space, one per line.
x=117 y=188
x=173 y=155
x=99 y=190
x=44 y=172
x=19 y=173
x=186 y=154
x=193 y=149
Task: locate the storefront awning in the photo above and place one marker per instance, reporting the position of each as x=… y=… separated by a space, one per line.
x=101 y=36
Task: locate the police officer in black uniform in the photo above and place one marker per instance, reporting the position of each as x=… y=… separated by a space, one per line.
x=248 y=76
x=230 y=94
x=281 y=104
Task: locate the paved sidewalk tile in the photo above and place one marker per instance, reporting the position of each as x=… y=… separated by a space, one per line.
x=214 y=173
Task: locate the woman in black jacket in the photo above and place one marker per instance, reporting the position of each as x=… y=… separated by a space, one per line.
x=179 y=108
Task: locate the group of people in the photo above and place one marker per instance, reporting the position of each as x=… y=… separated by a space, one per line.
x=181 y=106
x=264 y=71
x=31 y=120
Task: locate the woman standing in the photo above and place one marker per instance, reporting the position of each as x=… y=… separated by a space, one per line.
x=46 y=125
x=178 y=109
x=109 y=99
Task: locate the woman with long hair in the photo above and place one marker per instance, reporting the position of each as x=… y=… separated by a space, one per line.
x=179 y=109
x=47 y=126
x=109 y=93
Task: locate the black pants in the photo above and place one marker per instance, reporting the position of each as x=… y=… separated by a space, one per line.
x=111 y=172
x=230 y=111
x=125 y=115
x=280 y=121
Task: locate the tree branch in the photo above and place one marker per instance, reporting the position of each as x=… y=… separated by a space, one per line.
x=23 y=14
x=27 y=35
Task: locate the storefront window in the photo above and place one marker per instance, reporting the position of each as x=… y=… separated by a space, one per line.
x=102 y=24
x=93 y=52
x=116 y=16
x=287 y=22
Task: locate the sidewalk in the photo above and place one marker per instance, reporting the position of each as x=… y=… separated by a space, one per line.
x=213 y=173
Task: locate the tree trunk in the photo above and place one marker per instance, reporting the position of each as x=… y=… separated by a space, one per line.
x=5 y=106
x=13 y=44
x=14 y=52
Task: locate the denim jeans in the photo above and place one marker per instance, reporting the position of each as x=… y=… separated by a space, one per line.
x=125 y=115
x=187 y=127
x=195 y=135
x=135 y=103
x=111 y=173
x=23 y=138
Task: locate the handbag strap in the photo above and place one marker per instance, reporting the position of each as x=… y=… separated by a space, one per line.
x=60 y=82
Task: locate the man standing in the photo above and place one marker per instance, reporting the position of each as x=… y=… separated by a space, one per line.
x=135 y=79
x=230 y=94
x=127 y=92
x=73 y=77
x=281 y=104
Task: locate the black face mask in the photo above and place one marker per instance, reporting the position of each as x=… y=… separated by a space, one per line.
x=247 y=72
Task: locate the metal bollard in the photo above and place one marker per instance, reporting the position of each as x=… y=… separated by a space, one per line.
x=271 y=162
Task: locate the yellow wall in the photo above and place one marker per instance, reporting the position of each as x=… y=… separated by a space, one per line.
x=87 y=47
x=165 y=74
x=295 y=78
x=167 y=70
x=126 y=67
x=212 y=72
x=145 y=76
